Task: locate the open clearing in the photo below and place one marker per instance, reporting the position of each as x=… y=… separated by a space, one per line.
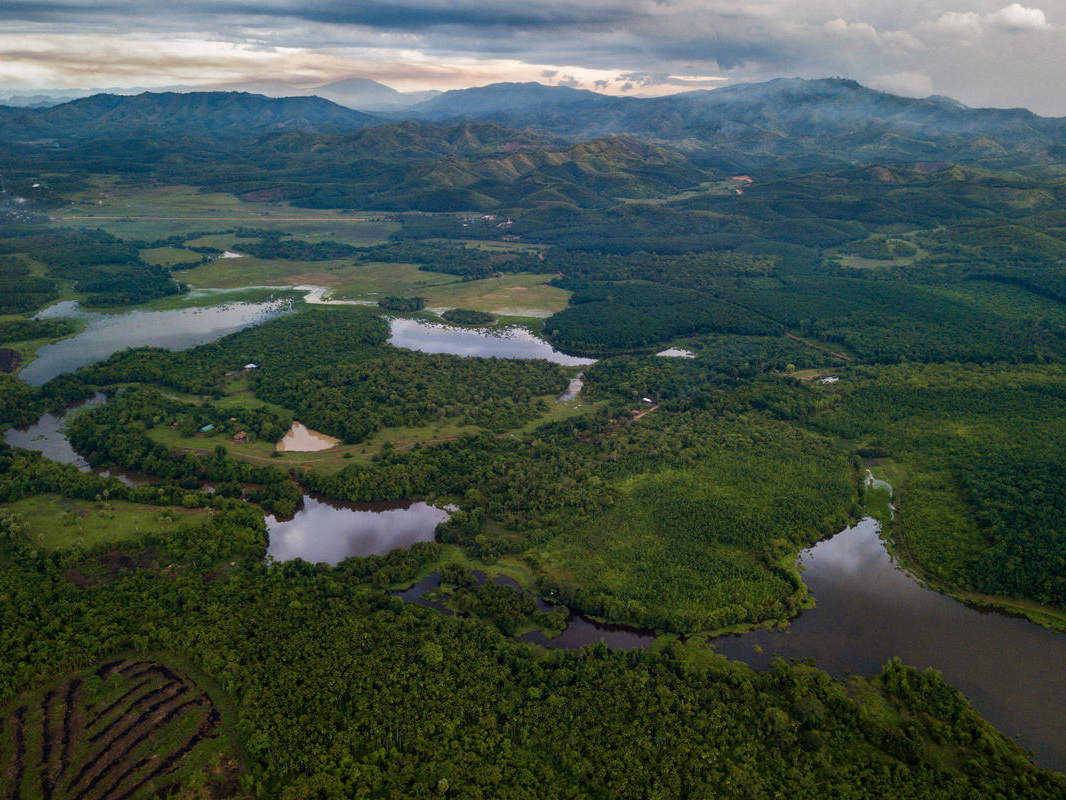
x=53 y=522
x=161 y=211
x=522 y=291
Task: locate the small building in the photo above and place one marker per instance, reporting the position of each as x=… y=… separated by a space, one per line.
x=648 y=400
x=207 y=428
x=240 y=437
x=830 y=379
x=251 y=366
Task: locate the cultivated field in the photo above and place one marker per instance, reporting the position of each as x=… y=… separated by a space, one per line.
x=129 y=729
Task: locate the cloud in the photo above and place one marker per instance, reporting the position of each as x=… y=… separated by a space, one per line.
x=909 y=84
x=852 y=30
x=1016 y=17
x=970 y=25
x=963 y=47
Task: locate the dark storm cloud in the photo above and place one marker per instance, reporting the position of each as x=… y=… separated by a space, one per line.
x=967 y=48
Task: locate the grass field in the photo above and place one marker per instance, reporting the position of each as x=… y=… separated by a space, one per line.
x=140 y=212
x=168 y=256
x=205 y=298
x=518 y=294
x=56 y=523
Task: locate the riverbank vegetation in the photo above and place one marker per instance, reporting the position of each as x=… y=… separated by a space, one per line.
x=466 y=316
x=981 y=447
x=382 y=674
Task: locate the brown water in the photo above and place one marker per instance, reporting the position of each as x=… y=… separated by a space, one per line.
x=105 y=334
x=330 y=531
x=510 y=342
x=301 y=439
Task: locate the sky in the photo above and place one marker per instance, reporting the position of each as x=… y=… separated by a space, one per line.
x=982 y=52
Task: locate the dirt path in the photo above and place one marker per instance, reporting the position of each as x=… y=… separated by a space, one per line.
x=796 y=338
x=644 y=412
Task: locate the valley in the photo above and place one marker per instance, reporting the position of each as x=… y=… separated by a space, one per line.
x=431 y=406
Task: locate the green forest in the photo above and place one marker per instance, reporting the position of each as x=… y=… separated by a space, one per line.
x=769 y=311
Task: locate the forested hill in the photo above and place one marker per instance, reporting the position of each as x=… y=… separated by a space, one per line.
x=834 y=117
x=179 y=114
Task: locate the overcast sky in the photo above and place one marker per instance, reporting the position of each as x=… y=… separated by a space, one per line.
x=981 y=52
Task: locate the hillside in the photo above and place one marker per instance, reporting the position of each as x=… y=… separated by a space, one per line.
x=833 y=118
x=179 y=114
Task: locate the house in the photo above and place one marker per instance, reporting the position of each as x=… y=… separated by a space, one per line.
x=830 y=379
x=207 y=428
x=240 y=437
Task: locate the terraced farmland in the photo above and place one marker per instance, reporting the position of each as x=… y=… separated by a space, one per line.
x=127 y=730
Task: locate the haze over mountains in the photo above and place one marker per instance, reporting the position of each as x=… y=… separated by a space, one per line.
x=356 y=93
x=784 y=118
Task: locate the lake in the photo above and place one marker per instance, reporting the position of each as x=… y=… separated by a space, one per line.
x=104 y=334
x=509 y=342
x=869 y=610
x=331 y=530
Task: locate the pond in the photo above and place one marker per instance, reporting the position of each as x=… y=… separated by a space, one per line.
x=331 y=531
x=105 y=334
x=573 y=389
x=509 y=342
x=46 y=435
x=301 y=439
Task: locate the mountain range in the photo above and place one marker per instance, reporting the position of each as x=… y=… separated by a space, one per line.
x=781 y=119
x=361 y=94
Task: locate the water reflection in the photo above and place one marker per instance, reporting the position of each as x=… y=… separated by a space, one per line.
x=512 y=342
x=331 y=531
x=581 y=631
x=573 y=389
x=869 y=611
x=105 y=334
x=46 y=435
